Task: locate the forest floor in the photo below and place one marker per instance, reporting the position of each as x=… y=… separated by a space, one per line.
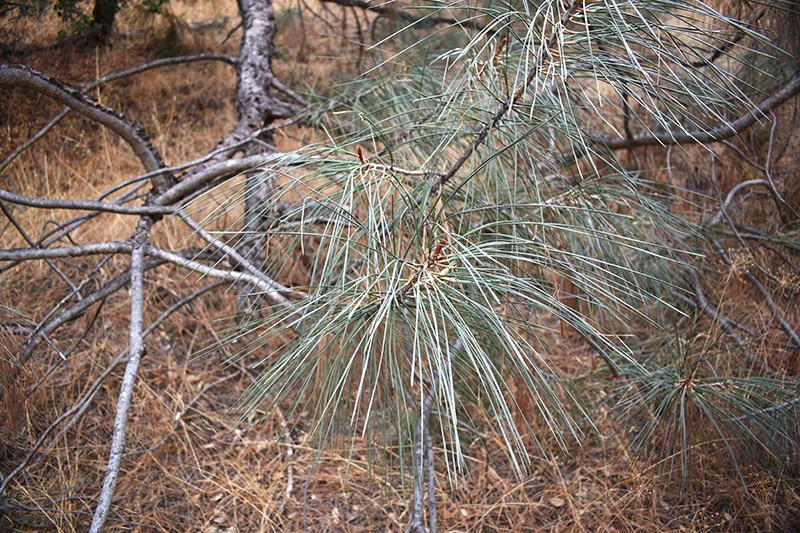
x=193 y=467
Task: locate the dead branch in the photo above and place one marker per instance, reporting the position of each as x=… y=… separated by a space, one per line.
x=716 y=134
x=38 y=135
x=112 y=77
x=51 y=324
x=29 y=254
x=85 y=205
x=785 y=326
x=136 y=350
x=77 y=409
x=10 y=216
x=80 y=406
x=272 y=290
x=727 y=45
x=131 y=131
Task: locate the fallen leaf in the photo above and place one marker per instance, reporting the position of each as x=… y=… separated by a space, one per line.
x=557 y=502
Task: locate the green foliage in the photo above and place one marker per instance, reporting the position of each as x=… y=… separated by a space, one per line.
x=82 y=22
x=439 y=232
x=683 y=403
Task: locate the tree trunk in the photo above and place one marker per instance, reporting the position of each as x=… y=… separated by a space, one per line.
x=103 y=14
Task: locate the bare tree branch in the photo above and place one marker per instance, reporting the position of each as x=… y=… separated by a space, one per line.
x=111 y=77
x=273 y=291
x=28 y=254
x=785 y=326
x=136 y=350
x=41 y=133
x=198 y=180
x=79 y=308
x=131 y=131
x=10 y=216
x=86 y=205
x=728 y=325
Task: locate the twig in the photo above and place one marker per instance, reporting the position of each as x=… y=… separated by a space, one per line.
x=79 y=308
x=77 y=410
x=78 y=341
x=10 y=216
x=111 y=77
x=41 y=133
x=785 y=326
x=460 y=423
x=136 y=350
x=727 y=45
x=772 y=409
x=228 y=36
x=15 y=328
x=732 y=194
x=163 y=62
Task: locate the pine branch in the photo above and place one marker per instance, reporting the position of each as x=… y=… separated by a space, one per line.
x=715 y=134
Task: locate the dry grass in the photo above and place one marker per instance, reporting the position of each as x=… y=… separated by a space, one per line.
x=198 y=470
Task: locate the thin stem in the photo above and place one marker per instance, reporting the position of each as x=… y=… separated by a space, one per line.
x=273 y=291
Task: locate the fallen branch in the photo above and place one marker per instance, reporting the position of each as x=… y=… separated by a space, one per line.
x=86 y=205
x=131 y=131
x=136 y=350
x=29 y=254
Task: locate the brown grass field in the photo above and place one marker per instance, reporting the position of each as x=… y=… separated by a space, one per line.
x=191 y=467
